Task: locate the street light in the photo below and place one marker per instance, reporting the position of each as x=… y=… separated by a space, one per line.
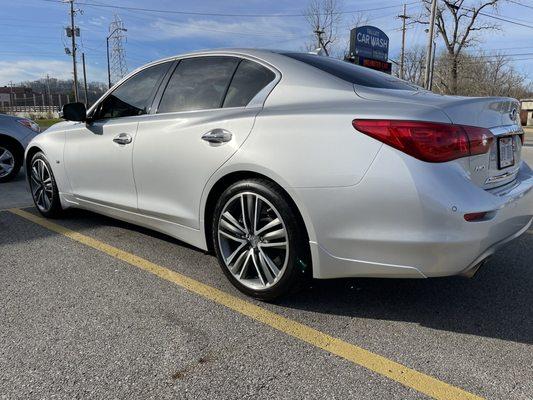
x=107 y=45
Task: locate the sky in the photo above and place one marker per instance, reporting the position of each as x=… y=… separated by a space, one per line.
x=33 y=38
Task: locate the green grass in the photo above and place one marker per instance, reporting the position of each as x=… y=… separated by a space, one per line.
x=46 y=123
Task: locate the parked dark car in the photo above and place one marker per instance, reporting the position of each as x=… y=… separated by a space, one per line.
x=15 y=134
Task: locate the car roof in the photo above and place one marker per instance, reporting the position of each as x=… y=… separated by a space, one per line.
x=272 y=56
x=230 y=50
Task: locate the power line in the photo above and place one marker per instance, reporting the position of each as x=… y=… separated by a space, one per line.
x=500 y=18
x=32 y=53
x=512 y=48
x=502 y=55
x=519 y=4
x=193 y=13
x=464 y=62
x=506 y=19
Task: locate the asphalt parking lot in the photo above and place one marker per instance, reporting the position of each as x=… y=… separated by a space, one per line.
x=91 y=307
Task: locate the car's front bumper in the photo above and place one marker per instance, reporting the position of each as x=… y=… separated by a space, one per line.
x=406 y=219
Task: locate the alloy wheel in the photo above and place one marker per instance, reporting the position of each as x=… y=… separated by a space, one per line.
x=7 y=162
x=253 y=240
x=42 y=189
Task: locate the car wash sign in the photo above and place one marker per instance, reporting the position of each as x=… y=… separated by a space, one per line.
x=369 y=42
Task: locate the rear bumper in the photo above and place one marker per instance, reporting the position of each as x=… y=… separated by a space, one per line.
x=492 y=249
x=405 y=220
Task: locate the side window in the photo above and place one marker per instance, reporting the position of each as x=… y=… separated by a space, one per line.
x=198 y=83
x=134 y=96
x=248 y=80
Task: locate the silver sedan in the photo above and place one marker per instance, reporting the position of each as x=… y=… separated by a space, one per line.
x=291 y=165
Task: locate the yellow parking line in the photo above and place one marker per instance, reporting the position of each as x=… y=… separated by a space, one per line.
x=406 y=376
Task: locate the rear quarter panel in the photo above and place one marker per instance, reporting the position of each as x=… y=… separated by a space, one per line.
x=314 y=144
x=310 y=146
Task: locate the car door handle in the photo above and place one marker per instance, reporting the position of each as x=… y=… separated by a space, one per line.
x=217 y=136
x=123 y=138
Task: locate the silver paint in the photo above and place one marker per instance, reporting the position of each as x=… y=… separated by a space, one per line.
x=369 y=210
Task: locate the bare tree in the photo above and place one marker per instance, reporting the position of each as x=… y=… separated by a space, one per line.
x=477 y=75
x=358 y=19
x=324 y=17
x=414 y=61
x=481 y=75
x=457 y=25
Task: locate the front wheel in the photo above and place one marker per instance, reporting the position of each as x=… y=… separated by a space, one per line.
x=43 y=187
x=258 y=239
x=10 y=162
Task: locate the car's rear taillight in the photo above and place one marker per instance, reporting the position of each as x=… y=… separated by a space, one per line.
x=428 y=141
x=480 y=139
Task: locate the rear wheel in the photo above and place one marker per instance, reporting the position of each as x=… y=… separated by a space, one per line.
x=258 y=240
x=10 y=161
x=43 y=187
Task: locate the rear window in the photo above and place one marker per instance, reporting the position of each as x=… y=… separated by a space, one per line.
x=249 y=79
x=352 y=73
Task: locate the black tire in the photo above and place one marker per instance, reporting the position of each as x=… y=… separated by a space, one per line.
x=18 y=158
x=53 y=209
x=297 y=269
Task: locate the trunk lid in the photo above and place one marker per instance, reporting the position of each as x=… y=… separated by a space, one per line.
x=498 y=114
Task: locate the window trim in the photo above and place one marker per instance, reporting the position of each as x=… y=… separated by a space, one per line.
x=257 y=101
x=96 y=105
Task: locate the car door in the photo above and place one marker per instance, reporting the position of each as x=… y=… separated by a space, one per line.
x=98 y=154
x=204 y=115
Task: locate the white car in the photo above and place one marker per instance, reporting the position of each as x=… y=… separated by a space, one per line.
x=288 y=165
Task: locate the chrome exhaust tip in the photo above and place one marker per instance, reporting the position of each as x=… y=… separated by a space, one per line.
x=470 y=272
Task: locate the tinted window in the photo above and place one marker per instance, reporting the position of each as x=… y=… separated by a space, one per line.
x=134 y=96
x=351 y=72
x=198 y=83
x=248 y=80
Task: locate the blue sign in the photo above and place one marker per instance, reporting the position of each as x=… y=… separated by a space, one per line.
x=369 y=42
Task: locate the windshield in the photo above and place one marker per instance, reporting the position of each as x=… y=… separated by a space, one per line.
x=352 y=73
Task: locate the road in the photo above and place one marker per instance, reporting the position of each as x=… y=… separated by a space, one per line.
x=91 y=307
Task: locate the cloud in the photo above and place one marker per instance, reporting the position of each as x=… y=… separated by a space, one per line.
x=32 y=69
x=98 y=21
x=249 y=32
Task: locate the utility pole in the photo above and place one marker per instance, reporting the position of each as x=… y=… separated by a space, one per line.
x=404 y=17
x=73 y=36
x=429 y=53
x=432 y=66
x=50 y=100
x=319 y=32
x=11 y=95
x=84 y=78
x=108 y=65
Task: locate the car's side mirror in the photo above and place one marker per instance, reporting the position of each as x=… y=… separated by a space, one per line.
x=74 y=112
